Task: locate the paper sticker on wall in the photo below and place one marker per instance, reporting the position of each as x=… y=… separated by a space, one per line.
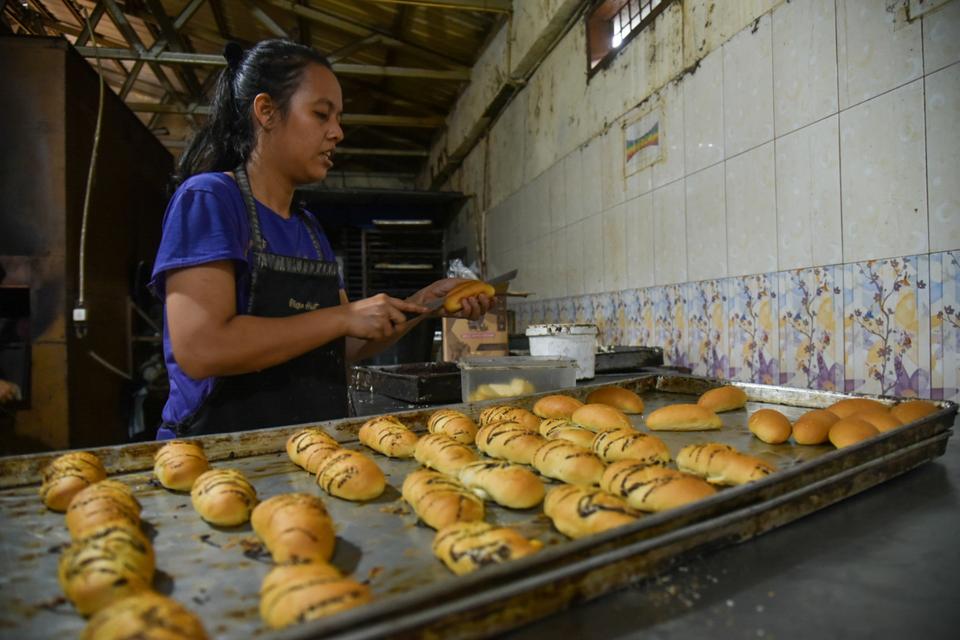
x=641 y=142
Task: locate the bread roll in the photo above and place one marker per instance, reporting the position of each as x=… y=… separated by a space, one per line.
x=295 y=527
x=577 y=512
x=509 y=485
x=100 y=504
x=770 y=426
x=351 y=475
x=813 y=427
x=565 y=461
x=223 y=497
x=454 y=300
x=110 y=563
x=67 y=475
x=178 y=463
x=299 y=593
x=882 y=420
x=562 y=429
x=504 y=413
x=389 y=436
x=849 y=406
x=722 y=464
x=627 y=444
x=509 y=441
x=443 y=453
x=683 y=417
x=849 y=431
x=454 y=424
x=912 y=410
x=723 y=399
x=440 y=500
x=556 y=406
x=145 y=616
x=467 y=546
x=652 y=487
x=309 y=447
x=601 y=417
x=618 y=398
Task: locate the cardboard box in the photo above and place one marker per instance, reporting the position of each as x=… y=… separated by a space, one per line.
x=485 y=337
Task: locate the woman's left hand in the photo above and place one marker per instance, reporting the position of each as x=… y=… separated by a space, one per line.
x=474 y=307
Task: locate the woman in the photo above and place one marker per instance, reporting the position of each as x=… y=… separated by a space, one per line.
x=258 y=328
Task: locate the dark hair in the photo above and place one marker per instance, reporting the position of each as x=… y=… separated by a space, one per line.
x=274 y=67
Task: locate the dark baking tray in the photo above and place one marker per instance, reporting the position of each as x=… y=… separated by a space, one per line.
x=620 y=359
x=419 y=382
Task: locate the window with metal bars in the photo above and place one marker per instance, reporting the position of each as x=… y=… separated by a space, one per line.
x=612 y=23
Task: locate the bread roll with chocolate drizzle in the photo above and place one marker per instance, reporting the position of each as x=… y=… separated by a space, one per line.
x=178 y=463
x=440 y=500
x=67 y=475
x=295 y=527
x=601 y=417
x=628 y=444
x=509 y=485
x=443 y=453
x=293 y=594
x=505 y=413
x=652 y=487
x=618 y=398
x=556 y=406
x=350 y=475
x=467 y=546
x=562 y=429
x=389 y=436
x=223 y=497
x=144 y=616
x=577 y=512
x=509 y=441
x=565 y=461
x=309 y=447
x=722 y=464
x=100 y=504
x=454 y=424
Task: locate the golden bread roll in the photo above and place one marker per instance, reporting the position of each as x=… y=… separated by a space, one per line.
x=722 y=464
x=813 y=427
x=653 y=487
x=601 y=417
x=913 y=410
x=454 y=300
x=722 y=399
x=770 y=426
x=509 y=485
x=454 y=424
x=223 y=497
x=67 y=475
x=295 y=527
x=109 y=563
x=509 y=441
x=389 y=436
x=882 y=420
x=505 y=413
x=145 y=616
x=850 y=431
x=351 y=475
x=556 y=406
x=440 y=500
x=617 y=397
x=849 y=406
x=100 y=504
x=467 y=546
x=443 y=453
x=683 y=417
x=292 y=594
x=309 y=447
x=178 y=463
x=628 y=444
x=565 y=461
x=577 y=512
x=562 y=429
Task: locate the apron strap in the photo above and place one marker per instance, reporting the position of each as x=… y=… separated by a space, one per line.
x=243 y=182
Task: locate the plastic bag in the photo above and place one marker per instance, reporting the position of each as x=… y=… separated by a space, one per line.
x=456 y=269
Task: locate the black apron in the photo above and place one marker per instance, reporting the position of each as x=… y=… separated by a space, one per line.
x=308 y=388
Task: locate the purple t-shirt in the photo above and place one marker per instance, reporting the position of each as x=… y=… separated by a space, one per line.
x=206 y=221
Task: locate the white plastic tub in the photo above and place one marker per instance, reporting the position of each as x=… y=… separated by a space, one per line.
x=577 y=341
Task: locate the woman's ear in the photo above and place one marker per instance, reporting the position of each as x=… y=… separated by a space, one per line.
x=264 y=110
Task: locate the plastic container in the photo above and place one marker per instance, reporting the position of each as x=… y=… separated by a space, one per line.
x=577 y=341
x=512 y=376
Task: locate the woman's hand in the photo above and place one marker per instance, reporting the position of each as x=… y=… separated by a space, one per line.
x=377 y=317
x=474 y=307
x=8 y=392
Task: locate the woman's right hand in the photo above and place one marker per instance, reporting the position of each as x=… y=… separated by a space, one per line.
x=377 y=317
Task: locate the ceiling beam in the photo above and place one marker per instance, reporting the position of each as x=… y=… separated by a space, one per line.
x=261 y=16
x=367 y=119
x=490 y=6
x=175 y=43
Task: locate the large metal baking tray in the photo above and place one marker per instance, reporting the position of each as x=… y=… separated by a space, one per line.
x=217 y=572
x=418 y=382
x=620 y=359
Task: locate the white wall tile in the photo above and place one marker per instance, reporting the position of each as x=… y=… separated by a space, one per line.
x=804 y=63
x=556 y=279
x=671 y=135
x=592 y=238
x=614 y=232
x=751 y=212
x=943 y=157
x=876 y=50
x=611 y=168
x=748 y=88
x=808 y=196
x=592 y=180
x=706 y=224
x=883 y=176
x=573 y=183
x=703 y=114
x=669 y=234
x=640 y=252
x=572 y=264
x=557 y=194
x=941 y=37
x=539 y=204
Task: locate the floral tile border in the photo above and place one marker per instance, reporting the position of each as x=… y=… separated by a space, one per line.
x=945 y=325
x=811 y=328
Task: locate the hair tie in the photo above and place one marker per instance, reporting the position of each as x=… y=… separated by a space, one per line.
x=233 y=53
